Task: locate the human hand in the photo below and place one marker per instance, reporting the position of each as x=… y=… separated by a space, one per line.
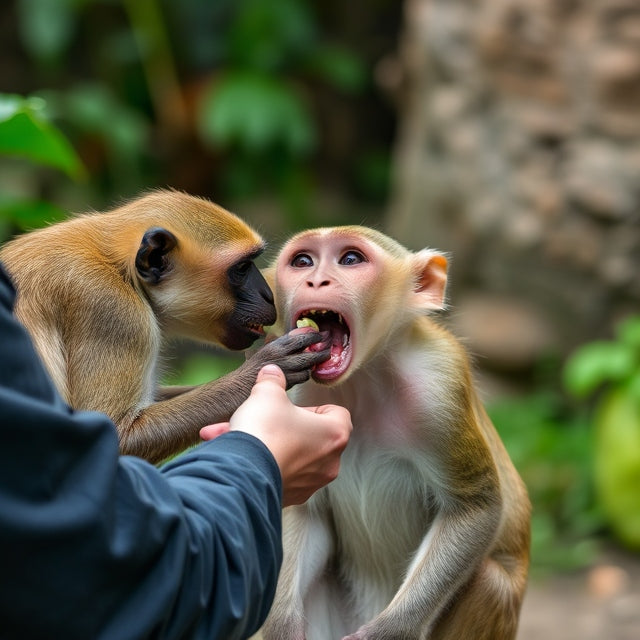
x=305 y=441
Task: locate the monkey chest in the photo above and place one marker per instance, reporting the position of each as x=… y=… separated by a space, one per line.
x=381 y=508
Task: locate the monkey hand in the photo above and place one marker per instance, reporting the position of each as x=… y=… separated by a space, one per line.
x=290 y=352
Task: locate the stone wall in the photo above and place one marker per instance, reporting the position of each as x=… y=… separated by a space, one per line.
x=518 y=152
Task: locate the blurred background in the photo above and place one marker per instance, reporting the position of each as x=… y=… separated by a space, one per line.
x=505 y=132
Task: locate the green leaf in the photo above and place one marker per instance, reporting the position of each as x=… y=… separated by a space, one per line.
x=256 y=112
x=633 y=387
x=25 y=132
x=94 y=108
x=595 y=363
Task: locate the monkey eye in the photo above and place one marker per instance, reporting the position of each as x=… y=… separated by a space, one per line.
x=302 y=260
x=238 y=272
x=352 y=257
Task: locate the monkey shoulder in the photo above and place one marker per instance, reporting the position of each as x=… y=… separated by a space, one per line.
x=74 y=285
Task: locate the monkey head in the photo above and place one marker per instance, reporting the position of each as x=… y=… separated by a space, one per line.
x=197 y=270
x=357 y=286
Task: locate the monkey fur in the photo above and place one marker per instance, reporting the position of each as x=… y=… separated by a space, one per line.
x=425 y=532
x=101 y=292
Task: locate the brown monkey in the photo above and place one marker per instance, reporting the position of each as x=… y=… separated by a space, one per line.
x=425 y=532
x=100 y=292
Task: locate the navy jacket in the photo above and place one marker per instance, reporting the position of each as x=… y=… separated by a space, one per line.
x=94 y=545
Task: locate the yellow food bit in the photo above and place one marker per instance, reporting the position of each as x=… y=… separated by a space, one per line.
x=306 y=322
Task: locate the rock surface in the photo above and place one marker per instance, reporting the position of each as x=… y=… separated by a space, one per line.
x=518 y=152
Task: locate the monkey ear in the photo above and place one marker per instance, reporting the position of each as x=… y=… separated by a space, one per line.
x=152 y=262
x=430 y=269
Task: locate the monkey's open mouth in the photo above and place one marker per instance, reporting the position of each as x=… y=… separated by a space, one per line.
x=338 y=341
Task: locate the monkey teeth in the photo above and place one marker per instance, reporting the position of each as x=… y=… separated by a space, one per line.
x=319 y=312
x=337 y=341
x=258 y=328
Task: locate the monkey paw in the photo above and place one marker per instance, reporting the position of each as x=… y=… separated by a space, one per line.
x=290 y=354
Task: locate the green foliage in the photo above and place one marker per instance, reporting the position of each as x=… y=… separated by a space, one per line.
x=268 y=36
x=47 y=27
x=617 y=464
x=120 y=134
x=167 y=93
x=25 y=131
x=613 y=369
x=259 y=111
x=281 y=39
x=26 y=213
x=551 y=448
x=203 y=367
x=616 y=362
x=339 y=67
x=256 y=112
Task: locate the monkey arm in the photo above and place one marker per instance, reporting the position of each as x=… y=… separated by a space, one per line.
x=469 y=507
x=451 y=551
x=285 y=351
x=166 y=393
x=162 y=428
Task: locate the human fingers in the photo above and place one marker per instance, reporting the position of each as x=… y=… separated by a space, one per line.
x=328 y=409
x=337 y=428
x=212 y=431
x=271 y=373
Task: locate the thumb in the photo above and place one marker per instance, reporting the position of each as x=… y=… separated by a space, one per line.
x=272 y=373
x=212 y=431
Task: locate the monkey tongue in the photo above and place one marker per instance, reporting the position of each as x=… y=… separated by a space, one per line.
x=324 y=344
x=338 y=341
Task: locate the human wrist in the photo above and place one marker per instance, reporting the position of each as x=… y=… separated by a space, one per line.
x=253 y=450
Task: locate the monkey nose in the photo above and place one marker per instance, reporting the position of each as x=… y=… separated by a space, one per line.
x=317 y=283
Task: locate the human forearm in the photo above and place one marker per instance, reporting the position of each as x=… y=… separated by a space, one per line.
x=93 y=565
x=100 y=546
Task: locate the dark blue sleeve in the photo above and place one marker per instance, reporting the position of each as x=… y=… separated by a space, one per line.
x=96 y=545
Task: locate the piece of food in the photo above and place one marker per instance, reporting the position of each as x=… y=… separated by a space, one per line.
x=306 y=322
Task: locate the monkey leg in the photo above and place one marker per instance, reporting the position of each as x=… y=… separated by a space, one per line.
x=487 y=608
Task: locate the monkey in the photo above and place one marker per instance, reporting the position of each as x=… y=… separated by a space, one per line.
x=101 y=292
x=425 y=533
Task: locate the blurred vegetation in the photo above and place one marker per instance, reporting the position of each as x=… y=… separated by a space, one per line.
x=25 y=133
x=550 y=443
x=234 y=100
x=610 y=370
x=251 y=101
x=576 y=441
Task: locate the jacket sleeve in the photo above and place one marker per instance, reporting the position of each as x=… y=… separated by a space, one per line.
x=97 y=545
